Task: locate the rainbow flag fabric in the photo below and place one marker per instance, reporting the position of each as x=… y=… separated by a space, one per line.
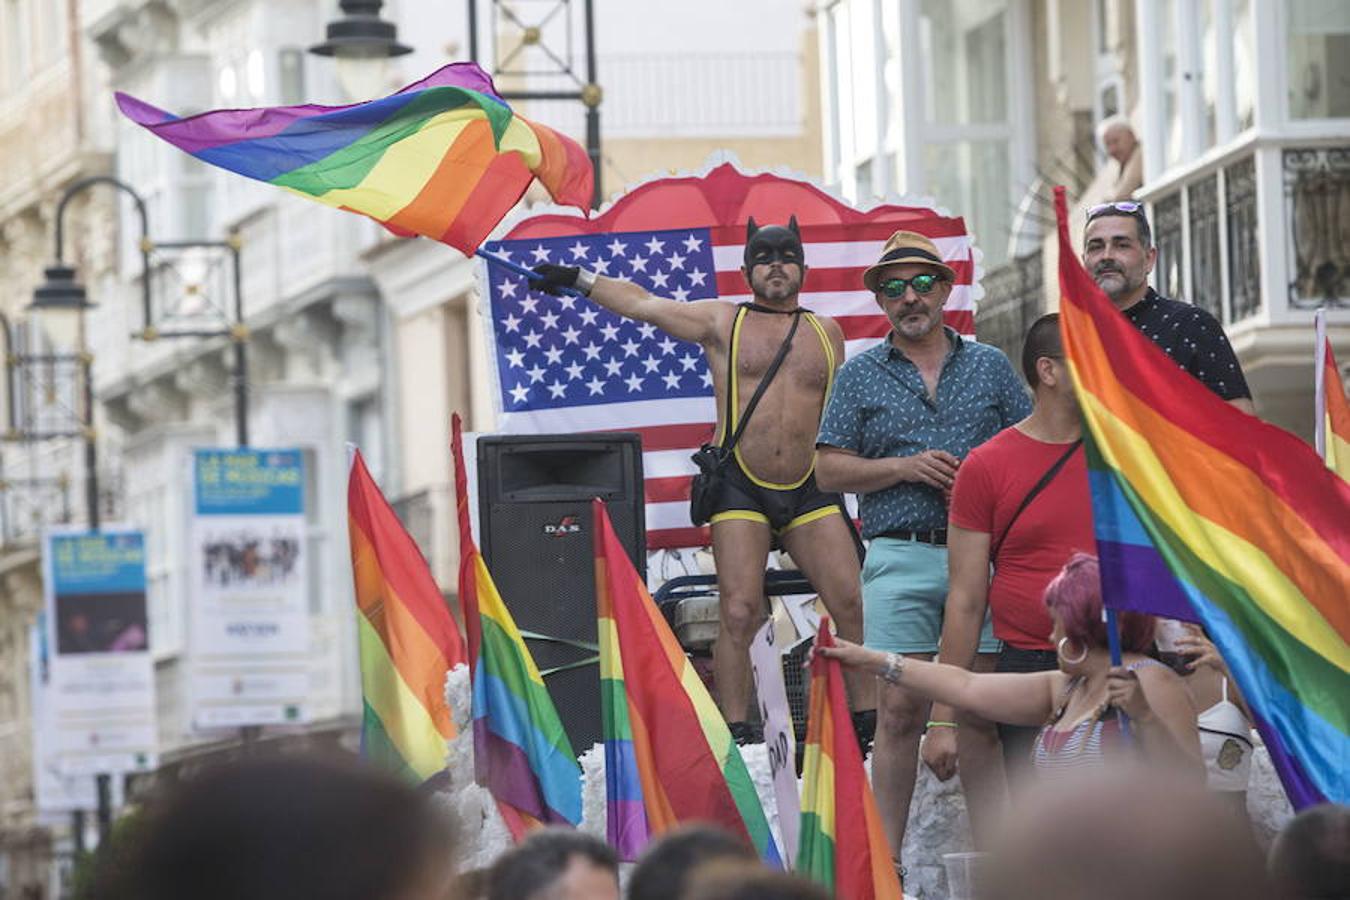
x=521 y=752
x=1333 y=410
x=1206 y=513
x=843 y=845
x=408 y=641
x=444 y=158
x=669 y=756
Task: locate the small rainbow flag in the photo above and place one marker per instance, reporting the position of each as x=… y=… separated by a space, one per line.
x=1206 y=513
x=843 y=845
x=669 y=756
x=1333 y=410
x=444 y=157
x=521 y=752
x=407 y=638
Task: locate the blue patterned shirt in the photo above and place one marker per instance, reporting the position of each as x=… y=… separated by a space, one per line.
x=879 y=407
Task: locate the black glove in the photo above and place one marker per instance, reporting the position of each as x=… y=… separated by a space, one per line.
x=552 y=279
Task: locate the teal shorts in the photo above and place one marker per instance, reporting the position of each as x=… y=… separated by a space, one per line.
x=904 y=590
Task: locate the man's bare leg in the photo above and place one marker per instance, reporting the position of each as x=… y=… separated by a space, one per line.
x=980 y=760
x=825 y=552
x=900 y=721
x=741 y=550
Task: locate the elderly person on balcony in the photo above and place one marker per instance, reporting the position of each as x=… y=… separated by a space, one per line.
x=1071 y=705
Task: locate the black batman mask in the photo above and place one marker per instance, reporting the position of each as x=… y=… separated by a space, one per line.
x=773 y=242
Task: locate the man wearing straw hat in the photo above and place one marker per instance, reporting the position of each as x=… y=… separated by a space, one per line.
x=901 y=417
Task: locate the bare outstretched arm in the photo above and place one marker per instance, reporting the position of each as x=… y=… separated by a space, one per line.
x=695 y=322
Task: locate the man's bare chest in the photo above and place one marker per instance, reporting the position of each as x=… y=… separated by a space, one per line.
x=806 y=366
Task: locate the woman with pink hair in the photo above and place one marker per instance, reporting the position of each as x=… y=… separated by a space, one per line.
x=1071 y=705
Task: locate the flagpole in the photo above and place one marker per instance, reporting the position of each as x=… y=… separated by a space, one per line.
x=1113 y=642
x=1320 y=383
x=518 y=269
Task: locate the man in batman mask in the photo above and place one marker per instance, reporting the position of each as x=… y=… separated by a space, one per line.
x=769 y=491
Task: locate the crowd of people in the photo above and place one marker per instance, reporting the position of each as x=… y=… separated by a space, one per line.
x=325 y=828
x=1004 y=678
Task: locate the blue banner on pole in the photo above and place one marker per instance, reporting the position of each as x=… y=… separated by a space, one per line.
x=249 y=482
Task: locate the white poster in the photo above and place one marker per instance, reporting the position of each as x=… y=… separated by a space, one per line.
x=248 y=610
x=766 y=664
x=54 y=792
x=101 y=700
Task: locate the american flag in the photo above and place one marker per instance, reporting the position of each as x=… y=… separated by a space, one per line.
x=565 y=364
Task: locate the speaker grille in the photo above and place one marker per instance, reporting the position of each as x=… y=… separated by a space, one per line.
x=535 y=497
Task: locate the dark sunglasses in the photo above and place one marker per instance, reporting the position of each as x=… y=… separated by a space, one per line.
x=922 y=284
x=1126 y=207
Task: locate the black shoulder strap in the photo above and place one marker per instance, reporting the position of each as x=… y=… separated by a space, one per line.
x=1048 y=477
x=763 y=382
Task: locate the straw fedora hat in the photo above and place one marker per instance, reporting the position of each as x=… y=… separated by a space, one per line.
x=906 y=247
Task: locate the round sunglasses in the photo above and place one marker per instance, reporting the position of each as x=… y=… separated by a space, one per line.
x=922 y=284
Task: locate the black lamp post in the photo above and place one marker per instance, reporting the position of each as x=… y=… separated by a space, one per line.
x=234 y=328
x=362 y=43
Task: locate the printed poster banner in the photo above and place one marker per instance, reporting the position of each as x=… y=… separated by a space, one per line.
x=55 y=793
x=100 y=703
x=249 y=610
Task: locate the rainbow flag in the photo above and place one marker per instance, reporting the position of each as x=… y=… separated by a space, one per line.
x=669 y=756
x=408 y=641
x=843 y=846
x=521 y=752
x=1333 y=410
x=1204 y=512
x=444 y=157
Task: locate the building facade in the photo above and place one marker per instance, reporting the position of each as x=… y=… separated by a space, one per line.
x=1242 y=109
x=351 y=335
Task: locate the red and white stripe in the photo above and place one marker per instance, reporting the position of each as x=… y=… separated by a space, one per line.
x=836 y=256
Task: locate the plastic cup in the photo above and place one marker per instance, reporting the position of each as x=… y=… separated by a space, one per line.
x=964 y=874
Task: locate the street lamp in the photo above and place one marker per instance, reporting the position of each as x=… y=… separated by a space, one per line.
x=174 y=324
x=362 y=44
x=62 y=302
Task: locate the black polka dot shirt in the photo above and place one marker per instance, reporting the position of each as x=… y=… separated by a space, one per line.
x=1195 y=341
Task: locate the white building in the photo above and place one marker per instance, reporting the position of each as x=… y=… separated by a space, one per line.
x=1242 y=108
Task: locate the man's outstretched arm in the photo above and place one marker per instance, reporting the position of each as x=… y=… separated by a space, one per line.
x=687 y=321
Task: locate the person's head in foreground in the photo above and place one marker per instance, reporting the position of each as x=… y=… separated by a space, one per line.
x=1129 y=834
x=724 y=880
x=284 y=828
x=1074 y=599
x=911 y=284
x=668 y=862
x=556 y=864
x=1310 y=859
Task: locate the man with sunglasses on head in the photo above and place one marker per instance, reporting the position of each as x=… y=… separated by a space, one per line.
x=902 y=416
x=769 y=490
x=1118 y=252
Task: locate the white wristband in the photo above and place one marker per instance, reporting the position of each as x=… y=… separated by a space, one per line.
x=585 y=281
x=895 y=667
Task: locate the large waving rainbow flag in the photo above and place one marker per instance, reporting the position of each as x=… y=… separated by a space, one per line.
x=843 y=845
x=1206 y=513
x=669 y=756
x=444 y=157
x=1333 y=410
x=408 y=640
x=521 y=752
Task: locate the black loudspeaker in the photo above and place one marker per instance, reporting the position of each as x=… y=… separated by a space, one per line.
x=534 y=510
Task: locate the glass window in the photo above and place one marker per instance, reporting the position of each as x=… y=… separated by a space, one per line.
x=1244 y=64
x=963 y=45
x=863 y=71
x=1171 y=65
x=291 y=75
x=1209 y=73
x=1319 y=58
x=971 y=178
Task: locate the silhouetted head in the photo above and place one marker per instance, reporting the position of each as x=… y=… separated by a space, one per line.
x=665 y=866
x=556 y=864
x=282 y=828
x=1310 y=859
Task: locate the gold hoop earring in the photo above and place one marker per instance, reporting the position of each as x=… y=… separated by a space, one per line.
x=1059 y=650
